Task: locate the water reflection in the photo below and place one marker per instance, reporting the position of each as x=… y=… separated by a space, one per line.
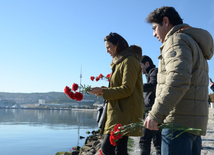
x=43 y=132
x=48 y=117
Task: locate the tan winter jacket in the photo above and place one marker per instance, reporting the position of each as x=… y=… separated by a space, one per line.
x=125 y=93
x=182 y=90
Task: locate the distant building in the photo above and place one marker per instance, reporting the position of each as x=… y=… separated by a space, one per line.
x=41 y=101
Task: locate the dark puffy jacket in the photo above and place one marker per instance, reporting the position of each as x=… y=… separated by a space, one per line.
x=150 y=87
x=212 y=87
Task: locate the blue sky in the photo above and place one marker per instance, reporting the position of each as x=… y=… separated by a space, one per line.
x=44 y=43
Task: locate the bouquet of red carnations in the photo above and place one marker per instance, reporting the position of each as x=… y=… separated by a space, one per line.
x=73 y=95
x=100 y=77
x=119 y=130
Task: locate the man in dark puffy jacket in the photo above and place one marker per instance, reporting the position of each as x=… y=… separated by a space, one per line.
x=149 y=69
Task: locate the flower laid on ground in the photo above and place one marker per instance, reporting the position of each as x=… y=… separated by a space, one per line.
x=120 y=130
x=101 y=76
x=73 y=148
x=73 y=95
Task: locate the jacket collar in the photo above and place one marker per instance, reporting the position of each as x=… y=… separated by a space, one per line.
x=149 y=68
x=175 y=29
x=133 y=50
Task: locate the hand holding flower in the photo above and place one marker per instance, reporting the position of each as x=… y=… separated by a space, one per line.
x=120 y=130
x=96 y=91
x=150 y=124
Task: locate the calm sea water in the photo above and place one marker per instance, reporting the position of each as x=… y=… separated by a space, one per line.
x=43 y=132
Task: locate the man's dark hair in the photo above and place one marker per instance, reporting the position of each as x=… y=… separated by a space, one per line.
x=117 y=40
x=146 y=58
x=157 y=16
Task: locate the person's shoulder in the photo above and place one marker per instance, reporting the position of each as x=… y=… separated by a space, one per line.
x=131 y=59
x=154 y=70
x=177 y=37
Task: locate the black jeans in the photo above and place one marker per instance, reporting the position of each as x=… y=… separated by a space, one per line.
x=145 y=141
x=119 y=149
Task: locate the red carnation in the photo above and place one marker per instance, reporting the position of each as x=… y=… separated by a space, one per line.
x=78 y=96
x=92 y=78
x=118 y=136
x=67 y=90
x=74 y=86
x=115 y=135
x=112 y=138
x=97 y=79
x=108 y=76
x=73 y=148
x=116 y=127
x=100 y=76
x=71 y=95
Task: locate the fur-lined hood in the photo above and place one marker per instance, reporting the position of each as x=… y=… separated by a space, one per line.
x=133 y=50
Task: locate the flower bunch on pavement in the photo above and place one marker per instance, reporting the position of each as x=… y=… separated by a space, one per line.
x=101 y=76
x=120 y=130
x=73 y=94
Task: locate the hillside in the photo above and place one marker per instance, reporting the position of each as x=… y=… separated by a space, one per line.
x=50 y=97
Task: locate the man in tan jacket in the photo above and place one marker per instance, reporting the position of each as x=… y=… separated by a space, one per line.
x=182 y=89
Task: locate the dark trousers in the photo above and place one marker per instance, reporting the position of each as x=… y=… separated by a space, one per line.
x=119 y=149
x=147 y=138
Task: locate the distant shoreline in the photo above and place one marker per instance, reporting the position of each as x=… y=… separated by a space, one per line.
x=83 y=109
x=71 y=109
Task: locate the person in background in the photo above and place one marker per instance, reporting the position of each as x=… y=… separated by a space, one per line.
x=182 y=81
x=211 y=85
x=124 y=94
x=149 y=69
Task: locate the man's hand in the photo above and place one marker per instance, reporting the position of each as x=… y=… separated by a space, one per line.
x=150 y=124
